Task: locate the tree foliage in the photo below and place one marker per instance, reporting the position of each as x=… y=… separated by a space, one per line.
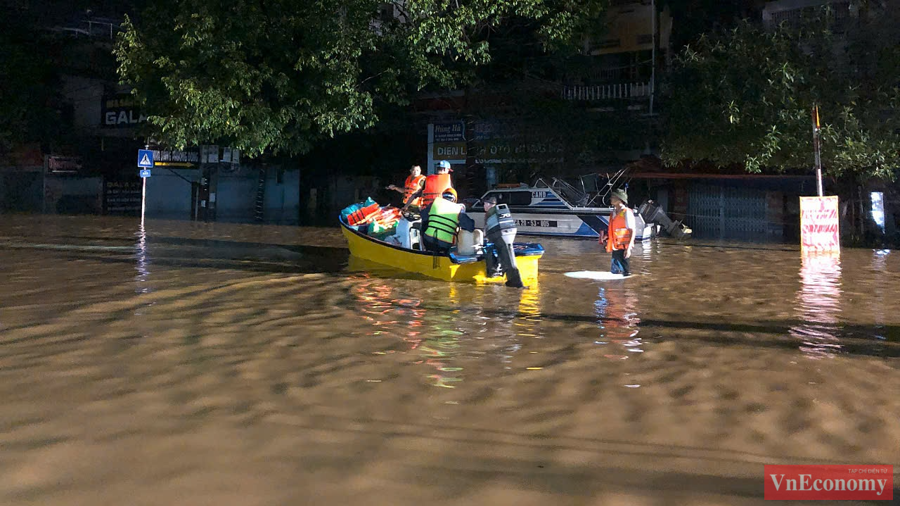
x=745 y=97
x=279 y=75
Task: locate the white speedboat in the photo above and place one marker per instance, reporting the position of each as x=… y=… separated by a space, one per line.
x=559 y=209
x=544 y=210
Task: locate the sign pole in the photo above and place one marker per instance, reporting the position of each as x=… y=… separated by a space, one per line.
x=818 y=148
x=143 y=199
x=144 y=163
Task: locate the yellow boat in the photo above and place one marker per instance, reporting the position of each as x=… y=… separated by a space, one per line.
x=450 y=267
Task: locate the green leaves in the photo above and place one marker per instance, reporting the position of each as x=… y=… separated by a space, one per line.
x=745 y=97
x=278 y=75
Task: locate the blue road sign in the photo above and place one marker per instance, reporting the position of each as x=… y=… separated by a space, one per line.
x=145 y=158
x=145 y=172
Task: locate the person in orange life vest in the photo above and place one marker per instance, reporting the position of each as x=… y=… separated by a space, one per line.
x=412 y=185
x=433 y=186
x=620 y=237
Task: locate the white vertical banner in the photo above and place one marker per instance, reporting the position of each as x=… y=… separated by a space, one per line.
x=820 y=225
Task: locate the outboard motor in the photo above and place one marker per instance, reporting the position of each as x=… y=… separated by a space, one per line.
x=652 y=213
x=501 y=231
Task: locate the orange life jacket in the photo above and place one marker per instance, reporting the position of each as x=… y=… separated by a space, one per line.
x=360 y=215
x=435 y=185
x=387 y=216
x=412 y=186
x=619 y=236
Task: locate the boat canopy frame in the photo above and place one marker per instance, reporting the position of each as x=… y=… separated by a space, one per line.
x=570 y=194
x=583 y=197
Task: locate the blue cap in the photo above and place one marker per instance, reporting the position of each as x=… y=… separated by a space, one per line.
x=444 y=164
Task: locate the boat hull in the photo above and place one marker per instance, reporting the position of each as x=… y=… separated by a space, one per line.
x=565 y=223
x=542 y=211
x=427 y=264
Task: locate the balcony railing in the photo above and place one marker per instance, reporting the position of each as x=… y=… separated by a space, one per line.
x=87 y=28
x=620 y=91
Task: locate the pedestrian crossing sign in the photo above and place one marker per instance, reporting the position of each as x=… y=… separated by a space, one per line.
x=145 y=158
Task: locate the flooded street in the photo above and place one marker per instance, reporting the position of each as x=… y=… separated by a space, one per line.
x=222 y=364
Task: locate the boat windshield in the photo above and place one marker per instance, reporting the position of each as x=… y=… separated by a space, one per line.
x=570 y=194
x=575 y=197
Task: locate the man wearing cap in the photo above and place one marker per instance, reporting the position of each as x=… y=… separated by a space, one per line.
x=489 y=203
x=620 y=238
x=433 y=186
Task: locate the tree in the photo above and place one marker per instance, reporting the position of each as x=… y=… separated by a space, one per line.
x=280 y=75
x=745 y=97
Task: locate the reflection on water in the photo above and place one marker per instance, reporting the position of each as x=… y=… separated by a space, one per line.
x=879 y=266
x=618 y=321
x=527 y=325
x=441 y=344
x=428 y=333
x=142 y=260
x=819 y=305
x=433 y=329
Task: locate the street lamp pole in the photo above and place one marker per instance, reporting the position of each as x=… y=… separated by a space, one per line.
x=653 y=53
x=817 y=146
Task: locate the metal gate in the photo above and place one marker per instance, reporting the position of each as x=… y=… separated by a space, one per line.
x=721 y=212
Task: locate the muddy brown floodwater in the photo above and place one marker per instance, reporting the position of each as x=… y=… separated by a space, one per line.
x=221 y=364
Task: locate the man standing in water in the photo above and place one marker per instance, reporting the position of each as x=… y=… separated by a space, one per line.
x=620 y=237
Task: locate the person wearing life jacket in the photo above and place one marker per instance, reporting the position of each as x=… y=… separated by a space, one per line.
x=433 y=186
x=620 y=236
x=442 y=223
x=412 y=185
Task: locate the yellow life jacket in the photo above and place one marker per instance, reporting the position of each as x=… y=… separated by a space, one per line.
x=443 y=221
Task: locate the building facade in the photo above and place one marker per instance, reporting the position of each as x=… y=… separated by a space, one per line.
x=92 y=169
